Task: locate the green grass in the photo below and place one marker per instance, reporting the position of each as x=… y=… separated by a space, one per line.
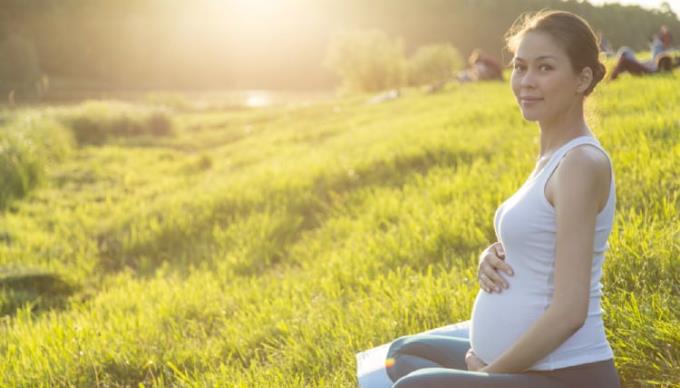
x=266 y=247
x=29 y=142
x=97 y=122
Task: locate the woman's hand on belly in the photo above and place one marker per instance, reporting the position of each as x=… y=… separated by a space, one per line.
x=473 y=362
x=491 y=261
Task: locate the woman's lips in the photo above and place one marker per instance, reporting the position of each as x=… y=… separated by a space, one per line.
x=529 y=101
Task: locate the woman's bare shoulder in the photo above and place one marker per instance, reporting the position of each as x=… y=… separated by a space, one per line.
x=584 y=169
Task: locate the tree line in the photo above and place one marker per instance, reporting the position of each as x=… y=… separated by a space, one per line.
x=143 y=44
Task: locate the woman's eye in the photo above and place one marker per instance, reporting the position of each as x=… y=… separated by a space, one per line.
x=545 y=67
x=518 y=67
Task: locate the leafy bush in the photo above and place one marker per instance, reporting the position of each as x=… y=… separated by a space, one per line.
x=95 y=122
x=28 y=144
x=433 y=63
x=159 y=123
x=367 y=61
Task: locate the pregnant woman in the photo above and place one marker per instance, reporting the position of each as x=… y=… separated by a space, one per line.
x=545 y=329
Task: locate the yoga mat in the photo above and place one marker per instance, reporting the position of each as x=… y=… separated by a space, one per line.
x=371 y=371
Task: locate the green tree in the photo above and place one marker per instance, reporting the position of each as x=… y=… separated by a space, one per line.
x=367 y=61
x=433 y=62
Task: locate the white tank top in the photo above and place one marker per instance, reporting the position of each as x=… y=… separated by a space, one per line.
x=525 y=225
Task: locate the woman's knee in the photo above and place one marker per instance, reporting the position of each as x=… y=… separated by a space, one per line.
x=413 y=352
x=399 y=364
x=397 y=345
x=442 y=350
x=626 y=52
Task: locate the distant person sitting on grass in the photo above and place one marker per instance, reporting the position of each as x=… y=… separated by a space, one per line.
x=626 y=61
x=666 y=38
x=604 y=45
x=546 y=330
x=482 y=67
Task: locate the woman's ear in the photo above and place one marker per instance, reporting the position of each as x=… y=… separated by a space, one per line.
x=584 y=80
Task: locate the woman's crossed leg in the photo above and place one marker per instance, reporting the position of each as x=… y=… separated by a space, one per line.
x=426 y=360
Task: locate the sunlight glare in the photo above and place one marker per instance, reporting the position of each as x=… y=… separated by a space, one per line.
x=249 y=9
x=258 y=99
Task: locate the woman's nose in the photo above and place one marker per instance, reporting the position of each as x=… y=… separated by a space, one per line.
x=528 y=80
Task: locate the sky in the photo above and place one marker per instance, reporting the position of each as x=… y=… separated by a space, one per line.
x=675 y=4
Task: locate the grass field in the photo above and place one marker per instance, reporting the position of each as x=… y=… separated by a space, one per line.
x=264 y=248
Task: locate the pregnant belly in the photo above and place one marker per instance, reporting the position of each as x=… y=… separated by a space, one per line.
x=498 y=320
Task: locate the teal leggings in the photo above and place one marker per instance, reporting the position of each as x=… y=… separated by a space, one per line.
x=438 y=361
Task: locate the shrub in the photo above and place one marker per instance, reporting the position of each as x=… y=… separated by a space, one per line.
x=433 y=63
x=367 y=61
x=159 y=123
x=95 y=122
x=28 y=144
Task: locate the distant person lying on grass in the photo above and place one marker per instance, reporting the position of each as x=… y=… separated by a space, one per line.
x=546 y=329
x=662 y=60
x=665 y=37
x=604 y=45
x=482 y=67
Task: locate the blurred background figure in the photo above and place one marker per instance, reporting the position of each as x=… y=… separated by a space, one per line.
x=661 y=59
x=605 y=47
x=481 y=67
x=665 y=37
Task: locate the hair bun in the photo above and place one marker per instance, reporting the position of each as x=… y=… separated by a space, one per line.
x=598 y=75
x=601 y=71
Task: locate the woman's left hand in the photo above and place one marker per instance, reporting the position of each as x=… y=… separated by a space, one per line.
x=473 y=362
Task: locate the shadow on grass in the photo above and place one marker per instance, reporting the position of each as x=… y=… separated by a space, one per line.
x=42 y=291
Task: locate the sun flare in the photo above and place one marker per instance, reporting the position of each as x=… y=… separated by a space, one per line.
x=249 y=8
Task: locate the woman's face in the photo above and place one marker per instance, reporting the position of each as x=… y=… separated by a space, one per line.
x=543 y=81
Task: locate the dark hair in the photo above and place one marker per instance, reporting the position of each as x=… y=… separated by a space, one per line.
x=571 y=31
x=664 y=62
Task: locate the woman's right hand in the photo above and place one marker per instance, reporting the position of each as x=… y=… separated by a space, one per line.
x=473 y=362
x=491 y=261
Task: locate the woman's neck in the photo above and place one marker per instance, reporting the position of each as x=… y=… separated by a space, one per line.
x=559 y=130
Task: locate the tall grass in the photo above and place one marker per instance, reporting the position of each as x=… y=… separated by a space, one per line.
x=316 y=232
x=31 y=140
x=97 y=122
x=28 y=144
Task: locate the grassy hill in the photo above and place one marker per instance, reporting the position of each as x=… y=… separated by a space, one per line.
x=265 y=247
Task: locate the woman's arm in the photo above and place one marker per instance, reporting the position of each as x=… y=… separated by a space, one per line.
x=581 y=184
